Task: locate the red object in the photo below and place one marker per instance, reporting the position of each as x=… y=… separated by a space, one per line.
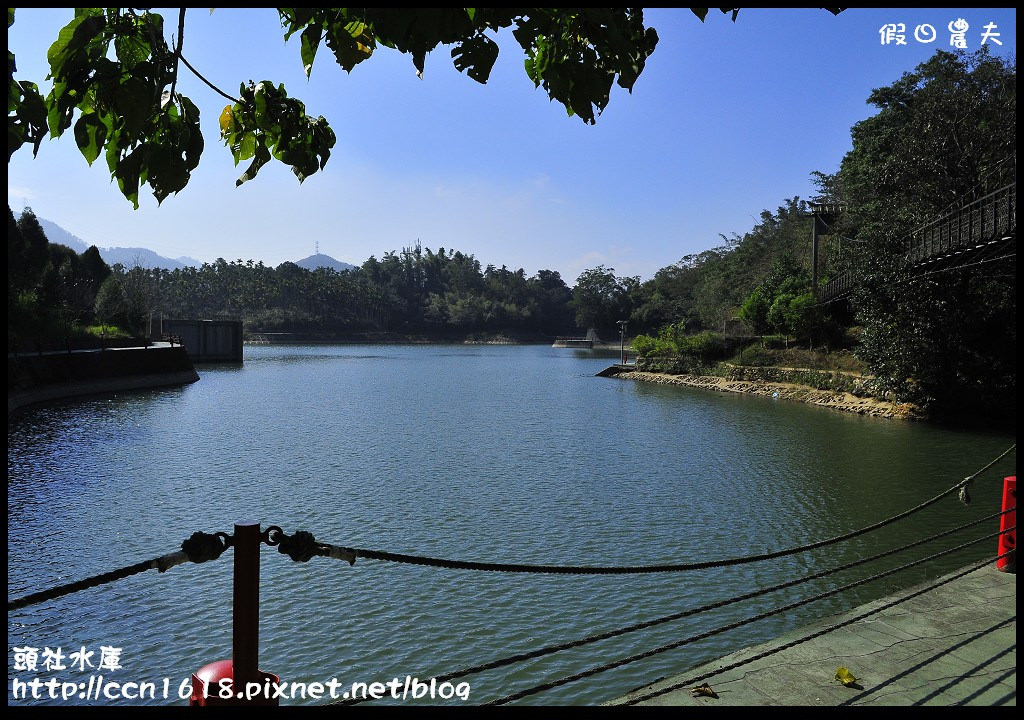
x=1008 y=541
x=218 y=680
x=239 y=681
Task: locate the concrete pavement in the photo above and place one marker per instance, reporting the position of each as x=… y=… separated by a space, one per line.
x=952 y=641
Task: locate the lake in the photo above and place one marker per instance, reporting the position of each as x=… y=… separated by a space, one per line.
x=513 y=454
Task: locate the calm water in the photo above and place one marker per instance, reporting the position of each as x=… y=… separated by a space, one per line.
x=511 y=454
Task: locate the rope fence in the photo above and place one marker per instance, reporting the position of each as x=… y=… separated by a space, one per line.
x=732 y=626
x=302 y=546
x=550 y=649
x=200 y=547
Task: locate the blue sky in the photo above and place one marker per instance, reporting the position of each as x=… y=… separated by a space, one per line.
x=727 y=119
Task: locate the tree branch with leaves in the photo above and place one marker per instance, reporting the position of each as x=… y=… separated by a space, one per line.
x=114 y=70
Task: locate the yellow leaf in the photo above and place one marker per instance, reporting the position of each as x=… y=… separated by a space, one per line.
x=845 y=677
x=703 y=691
x=225 y=118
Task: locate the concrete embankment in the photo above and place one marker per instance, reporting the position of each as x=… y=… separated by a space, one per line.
x=952 y=641
x=767 y=382
x=40 y=378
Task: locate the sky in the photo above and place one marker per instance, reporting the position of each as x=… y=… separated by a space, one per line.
x=727 y=119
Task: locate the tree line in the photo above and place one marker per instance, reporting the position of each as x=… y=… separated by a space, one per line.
x=416 y=291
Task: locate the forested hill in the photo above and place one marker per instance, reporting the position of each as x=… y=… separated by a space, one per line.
x=413 y=292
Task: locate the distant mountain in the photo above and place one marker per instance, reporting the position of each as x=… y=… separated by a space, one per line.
x=129 y=257
x=59 y=236
x=132 y=256
x=326 y=261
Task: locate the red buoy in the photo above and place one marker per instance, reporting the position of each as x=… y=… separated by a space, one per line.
x=1008 y=540
x=214 y=685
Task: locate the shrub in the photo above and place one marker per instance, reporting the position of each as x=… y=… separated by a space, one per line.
x=676 y=353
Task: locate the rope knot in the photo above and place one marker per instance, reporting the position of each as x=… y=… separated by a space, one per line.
x=965 y=497
x=201 y=546
x=300 y=547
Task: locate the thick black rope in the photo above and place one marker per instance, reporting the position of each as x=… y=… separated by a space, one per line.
x=302 y=546
x=548 y=650
x=350 y=554
x=731 y=626
x=200 y=547
x=825 y=631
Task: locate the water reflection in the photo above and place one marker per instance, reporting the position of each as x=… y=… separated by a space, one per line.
x=514 y=454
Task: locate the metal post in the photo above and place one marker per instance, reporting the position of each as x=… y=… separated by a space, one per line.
x=1008 y=540
x=246 y=627
x=248 y=684
x=622 y=342
x=814 y=253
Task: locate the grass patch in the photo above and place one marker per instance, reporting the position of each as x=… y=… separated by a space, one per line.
x=796 y=357
x=110 y=331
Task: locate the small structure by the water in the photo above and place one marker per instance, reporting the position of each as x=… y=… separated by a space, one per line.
x=205 y=340
x=586 y=343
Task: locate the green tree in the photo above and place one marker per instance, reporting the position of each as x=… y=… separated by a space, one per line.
x=114 y=70
x=942 y=134
x=129 y=298
x=757 y=307
x=601 y=300
x=710 y=289
x=32 y=252
x=16 y=263
x=96 y=269
x=110 y=302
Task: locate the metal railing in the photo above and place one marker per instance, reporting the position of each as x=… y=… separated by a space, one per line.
x=987 y=219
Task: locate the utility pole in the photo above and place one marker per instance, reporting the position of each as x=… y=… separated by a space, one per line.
x=622 y=342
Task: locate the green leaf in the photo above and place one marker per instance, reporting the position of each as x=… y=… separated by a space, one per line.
x=113 y=152
x=90 y=134
x=131 y=50
x=127 y=175
x=246 y=148
x=310 y=40
x=195 y=144
x=28 y=121
x=351 y=43
x=73 y=39
x=475 y=57
x=60 y=110
x=295 y=18
x=134 y=114
x=261 y=159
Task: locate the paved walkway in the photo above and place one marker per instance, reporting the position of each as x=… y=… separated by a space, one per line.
x=953 y=643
